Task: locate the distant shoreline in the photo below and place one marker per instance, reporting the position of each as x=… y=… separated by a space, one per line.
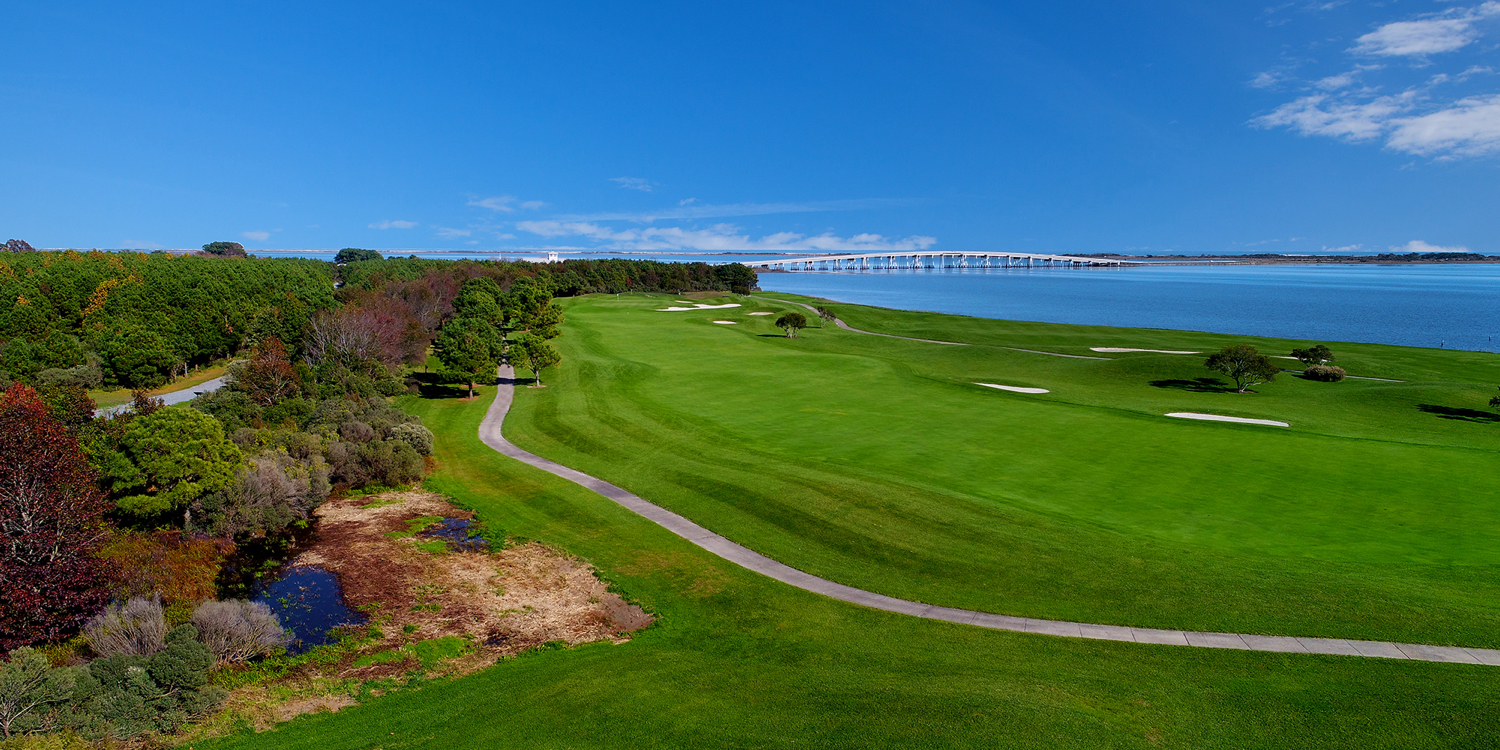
x=1257 y=259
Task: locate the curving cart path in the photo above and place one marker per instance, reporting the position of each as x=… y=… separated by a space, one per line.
x=489 y=432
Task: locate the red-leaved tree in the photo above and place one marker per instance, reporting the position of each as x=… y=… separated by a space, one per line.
x=51 y=524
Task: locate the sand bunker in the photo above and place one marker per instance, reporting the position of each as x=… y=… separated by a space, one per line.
x=1119 y=350
x=726 y=322
x=1014 y=388
x=697 y=307
x=1217 y=418
x=760 y=313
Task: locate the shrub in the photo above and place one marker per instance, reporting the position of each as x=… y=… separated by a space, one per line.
x=29 y=689
x=83 y=376
x=271 y=492
x=133 y=694
x=177 y=567
x=392 y=463
x=415 y=435
x=1324 y=373
x=236 y=631
x=136 y=628
x=356 y=432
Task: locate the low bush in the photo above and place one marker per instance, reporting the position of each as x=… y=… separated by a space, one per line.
x=237 y=631
x=82 y=376
x=178 y=567
x=131 y=694
x=136 y=628
x=1324 y=373
x=271 y=491
x=415 y=435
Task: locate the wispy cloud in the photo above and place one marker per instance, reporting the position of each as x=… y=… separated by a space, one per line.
x=257 y=235
x=495 y=203
x=1428 y=119
x=1418 y=246
x=450 y=232
x=720 y=238
x=393 y=224
x=633 y=183
x=533 y=205
x=1446 y=32
x=695 y=211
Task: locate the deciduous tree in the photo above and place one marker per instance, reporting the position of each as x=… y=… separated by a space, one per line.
x=791 y=322
x=535 y=352
x=269 y=376
x=51 y=524
x=469 y=349
x=1313 y=355
x=1242 y=362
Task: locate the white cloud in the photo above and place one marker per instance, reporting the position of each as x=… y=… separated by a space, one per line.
x=1267 y=80
x=1418 y=246
x=450 y=232
x=1339 y=118
x=686 y=201
x=496 y=203
x=1470 y=127
x=633 y=183
x=256 y=235
x=1342 y=249
x=1446 y=32
x=721 y=238
x=393 y=224
x=532 y=205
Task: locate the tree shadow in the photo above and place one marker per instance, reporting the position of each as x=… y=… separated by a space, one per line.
x=1201 y=385
x=1463 y=415
x=431 y=385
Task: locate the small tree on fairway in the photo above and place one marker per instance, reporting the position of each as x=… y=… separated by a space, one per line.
x=792 y=322
x=535 y=352
x=469 y=349
x=1495 y=402
x=1242 y=362
x=825 y=314
x=1314 y=355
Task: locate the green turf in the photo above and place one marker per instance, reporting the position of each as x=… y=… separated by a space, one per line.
x=737 y=660
x=876 y=462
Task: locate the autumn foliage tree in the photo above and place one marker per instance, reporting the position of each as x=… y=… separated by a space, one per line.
x=51 y=523
x=269 y=376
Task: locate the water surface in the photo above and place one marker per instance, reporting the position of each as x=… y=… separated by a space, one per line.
x=1451 y=306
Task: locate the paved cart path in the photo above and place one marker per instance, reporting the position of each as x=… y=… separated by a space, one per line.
x=172 y=398
x=489 y=432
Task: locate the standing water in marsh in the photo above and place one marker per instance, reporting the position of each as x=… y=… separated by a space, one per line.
x=306 y=598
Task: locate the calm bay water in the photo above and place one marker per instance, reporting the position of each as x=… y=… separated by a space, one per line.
x=1453 y=306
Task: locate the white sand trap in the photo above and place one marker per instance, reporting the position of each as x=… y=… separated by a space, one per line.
x=1014 y=388
x=684 y=302
x=726 y=322
x=1217 y=418
x=697 y=307
x=760 y=313
x=1118 y=350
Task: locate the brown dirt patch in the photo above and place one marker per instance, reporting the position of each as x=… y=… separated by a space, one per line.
x=505 y=600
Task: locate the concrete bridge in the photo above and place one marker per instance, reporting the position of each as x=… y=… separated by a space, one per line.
x=915 y=260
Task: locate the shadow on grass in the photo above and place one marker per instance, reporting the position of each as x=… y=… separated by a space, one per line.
x=1201 y=385
x=1464 y=415
x=431 y=385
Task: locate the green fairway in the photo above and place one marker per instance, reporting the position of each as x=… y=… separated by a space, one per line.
x=876 y=462
x=738 y=660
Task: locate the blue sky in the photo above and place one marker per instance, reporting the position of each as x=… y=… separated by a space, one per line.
x=1060 y=127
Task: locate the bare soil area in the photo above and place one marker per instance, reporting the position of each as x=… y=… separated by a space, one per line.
x=413 y=587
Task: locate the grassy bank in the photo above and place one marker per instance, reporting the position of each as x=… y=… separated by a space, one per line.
x=739 y=661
